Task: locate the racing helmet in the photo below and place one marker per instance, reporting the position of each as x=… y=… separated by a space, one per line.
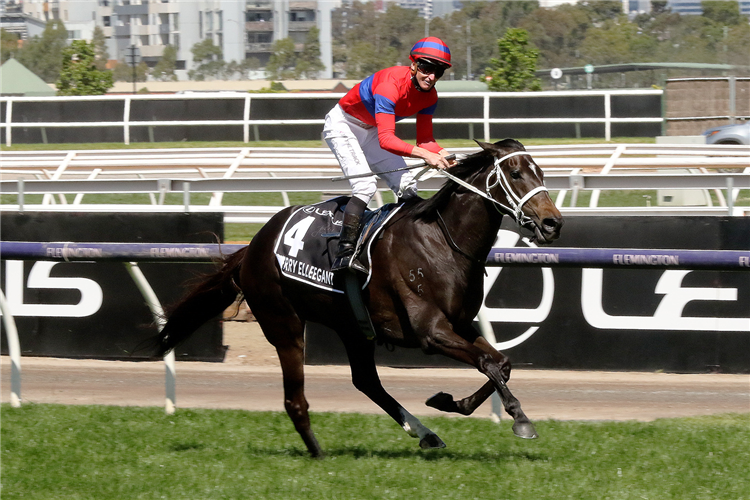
x=431 y=48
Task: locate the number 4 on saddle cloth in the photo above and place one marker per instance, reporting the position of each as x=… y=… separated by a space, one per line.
x=307 y=244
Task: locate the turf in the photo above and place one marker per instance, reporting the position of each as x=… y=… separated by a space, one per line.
x=82 y=452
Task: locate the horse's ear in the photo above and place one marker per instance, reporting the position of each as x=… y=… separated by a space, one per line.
x=486 y=145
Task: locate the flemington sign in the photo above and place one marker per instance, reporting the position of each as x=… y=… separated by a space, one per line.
x=598 y=305
x=78 y=299
x=615 y=308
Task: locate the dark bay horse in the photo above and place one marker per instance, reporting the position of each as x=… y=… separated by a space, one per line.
x=425 y=291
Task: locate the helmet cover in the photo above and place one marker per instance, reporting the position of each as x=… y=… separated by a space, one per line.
x=431 y=48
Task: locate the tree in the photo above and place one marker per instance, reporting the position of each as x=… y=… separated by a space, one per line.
x=308 y=63
x=281 y=64
x=209 y=60
x=659 y=7
x=8 y=45
x=79 y=74
x=43 y=54
x=616 y=43
x=557 y=33
x=248 y=65
x=738 y=45
x=164 y=71
x=363 y=60
x=513 y=69
x=100 y=48
x=123 y=72
x=722 y=12
x=602 y=10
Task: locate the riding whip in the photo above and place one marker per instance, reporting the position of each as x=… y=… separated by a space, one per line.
x=368 y=174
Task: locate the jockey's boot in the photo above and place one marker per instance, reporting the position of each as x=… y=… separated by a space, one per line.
x=348 y=238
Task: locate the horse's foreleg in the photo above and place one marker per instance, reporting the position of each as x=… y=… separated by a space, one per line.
x=444 y=402
x=365 y=378
x=491 y=363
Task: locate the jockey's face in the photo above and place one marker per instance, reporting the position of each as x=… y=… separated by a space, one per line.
x=425 y=73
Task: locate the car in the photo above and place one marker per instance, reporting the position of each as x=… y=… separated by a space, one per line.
x=739 y=133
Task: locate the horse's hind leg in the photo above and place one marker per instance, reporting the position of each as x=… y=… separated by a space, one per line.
x=365 y=377
x=286 y=333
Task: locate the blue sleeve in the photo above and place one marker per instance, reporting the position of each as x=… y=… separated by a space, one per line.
x=384 y=105
x=429 y=111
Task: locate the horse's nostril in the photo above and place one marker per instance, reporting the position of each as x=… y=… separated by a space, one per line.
x=552 y=224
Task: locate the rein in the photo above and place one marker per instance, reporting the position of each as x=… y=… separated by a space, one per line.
x=516 y=204
x=453 y=244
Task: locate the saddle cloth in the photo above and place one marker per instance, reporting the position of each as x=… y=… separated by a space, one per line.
x=307 y=244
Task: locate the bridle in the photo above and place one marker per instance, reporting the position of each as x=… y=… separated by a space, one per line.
x=515 y=209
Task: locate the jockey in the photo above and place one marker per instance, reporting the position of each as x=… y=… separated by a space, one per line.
x=361 y=132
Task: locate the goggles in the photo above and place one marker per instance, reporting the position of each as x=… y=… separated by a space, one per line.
x=429 y=68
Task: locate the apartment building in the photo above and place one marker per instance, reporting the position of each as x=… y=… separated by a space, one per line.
x=242 y=28
x=78 y=15
x=694 y=6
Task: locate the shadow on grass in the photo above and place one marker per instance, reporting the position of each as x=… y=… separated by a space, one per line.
x=178 y=447
x=360 y=452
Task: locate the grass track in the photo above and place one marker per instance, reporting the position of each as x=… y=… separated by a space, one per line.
x=97 y=452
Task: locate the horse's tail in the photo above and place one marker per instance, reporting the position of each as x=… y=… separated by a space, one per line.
x=210 y=297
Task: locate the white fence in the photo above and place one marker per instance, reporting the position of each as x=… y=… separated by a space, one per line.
x=248 y=122
x=568 y=170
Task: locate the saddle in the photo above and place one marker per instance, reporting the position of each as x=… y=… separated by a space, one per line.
x=307 y=244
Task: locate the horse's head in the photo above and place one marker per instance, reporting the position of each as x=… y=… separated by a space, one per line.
x=517 y=183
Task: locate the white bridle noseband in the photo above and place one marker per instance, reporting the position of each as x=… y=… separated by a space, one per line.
x=516 y=204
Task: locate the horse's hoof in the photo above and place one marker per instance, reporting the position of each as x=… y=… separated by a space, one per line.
x=525 y=430
x=431 y=441
x=441 y=401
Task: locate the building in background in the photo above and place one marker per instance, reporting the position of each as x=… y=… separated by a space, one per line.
x=13 y=20
x=241 y=28
x=78 y=15
x=694 y=6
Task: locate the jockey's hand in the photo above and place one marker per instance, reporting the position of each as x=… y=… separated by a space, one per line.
x=436 y=160
x=450 y=158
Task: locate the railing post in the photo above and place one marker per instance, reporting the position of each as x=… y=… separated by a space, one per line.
x=8 y=121
x=730 y=198
x=126 y=121
x=732 y=99
x=486 y=117
x=158 y=313
x=608 y=116
x=14 y=349
x=20 y=195
x=186 y=196
x=246 y=118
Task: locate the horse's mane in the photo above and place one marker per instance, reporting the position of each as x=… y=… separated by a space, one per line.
x=465 y=169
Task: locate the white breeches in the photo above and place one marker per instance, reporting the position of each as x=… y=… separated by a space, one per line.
x=358 y=151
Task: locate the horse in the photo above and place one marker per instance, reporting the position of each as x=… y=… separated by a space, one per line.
x=446 y=237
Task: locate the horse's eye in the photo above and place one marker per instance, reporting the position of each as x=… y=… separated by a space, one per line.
x=515 y=174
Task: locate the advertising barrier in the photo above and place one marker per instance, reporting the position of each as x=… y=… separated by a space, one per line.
x=664 y=310
x=86 y=309
x=601 y=305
